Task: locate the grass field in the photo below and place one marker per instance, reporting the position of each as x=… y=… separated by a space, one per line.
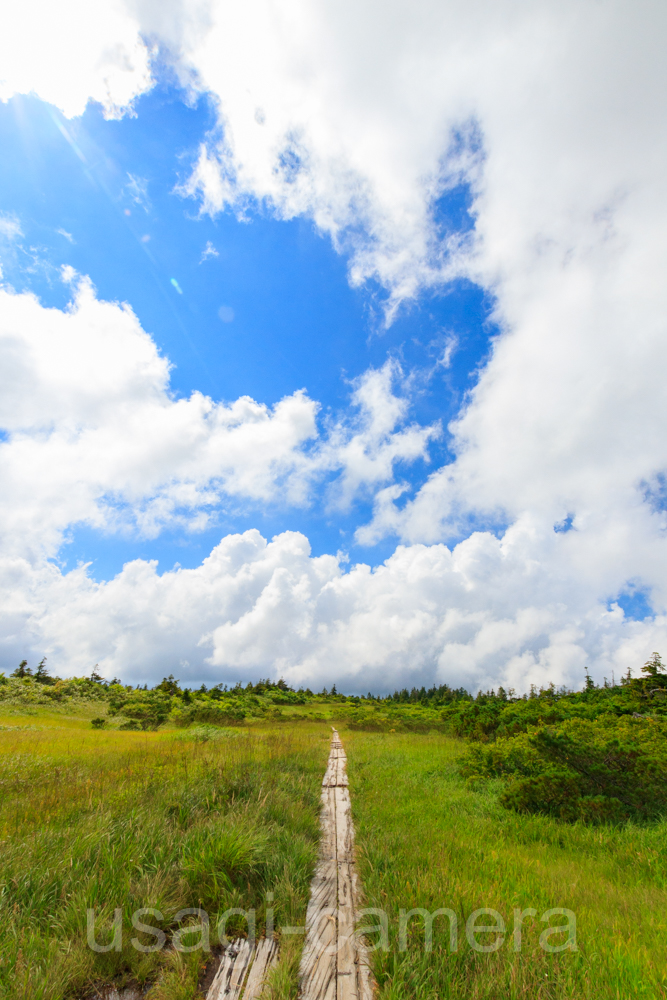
x=219 y=818
x=106 y=820
x=427 y=840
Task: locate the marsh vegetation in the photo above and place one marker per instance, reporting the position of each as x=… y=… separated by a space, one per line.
x=121 y=799
x=124 y=820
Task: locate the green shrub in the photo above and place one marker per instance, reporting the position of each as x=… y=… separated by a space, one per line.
x=624 y=761
x=559 y=795
x=600 y=809
x=602 y=770
x=150 y=709
x=554 y=794
x=505 y=756
x=226 y=713
x=398 y=719
x=29 y=691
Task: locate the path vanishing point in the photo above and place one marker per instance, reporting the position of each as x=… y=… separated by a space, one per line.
x=334 y=963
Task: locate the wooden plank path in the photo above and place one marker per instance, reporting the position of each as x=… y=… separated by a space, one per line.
x=334 y=963
x=243 y=970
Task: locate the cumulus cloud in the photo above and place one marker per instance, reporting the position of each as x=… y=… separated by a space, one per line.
x=94 y=436
x=561 y=424
x=553 y=117
x=71 y=52
x=316 y=118
x=552 y=113
x=367 y=447
x=482 y=613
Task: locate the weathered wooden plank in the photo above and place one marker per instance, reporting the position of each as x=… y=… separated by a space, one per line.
x=266 y=956
x=230 y=976
x=319 y=965
x=243 y=964
x=328 y=824
x=335 y=773
x=330 y=773
x=222 y=975
x=318 y=962
x=364 y=974
x=341 y=772
x=334 y=964
x=347 y=951
x=323 y=892
x=344 y=829
x=240 y=970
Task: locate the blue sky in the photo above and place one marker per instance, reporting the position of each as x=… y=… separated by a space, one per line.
x=103 y=197
x=408 y=273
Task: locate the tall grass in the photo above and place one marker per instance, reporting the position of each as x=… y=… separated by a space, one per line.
x=214 y=819
x=427 y=839
x=106 y=820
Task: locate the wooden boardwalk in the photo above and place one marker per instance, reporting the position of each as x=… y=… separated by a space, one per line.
x=334 y=963
x=243 y=969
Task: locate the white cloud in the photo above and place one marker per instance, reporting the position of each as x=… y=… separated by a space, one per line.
x=367 y=448
x=562 y=136
x=137 y=190
x=568 y=416
x=483 y=613
x=554 y=115
x=10 y=227
x=70 y=52
x=553 y=112
x=208 y=251
x=318 y=120
x=94 y=435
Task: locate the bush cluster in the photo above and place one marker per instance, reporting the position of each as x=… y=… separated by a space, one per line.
x=598 y=754
x=588 y=755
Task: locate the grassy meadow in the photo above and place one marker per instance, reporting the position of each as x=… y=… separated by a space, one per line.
x=194 y=814
x=427 y=838
x=168 y=819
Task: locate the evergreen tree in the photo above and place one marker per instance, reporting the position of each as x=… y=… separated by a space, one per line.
x=42 y=673
x=654 y=666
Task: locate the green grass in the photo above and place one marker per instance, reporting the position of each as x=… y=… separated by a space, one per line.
x=427 y=839
x=98 y=819
x=218 y=818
